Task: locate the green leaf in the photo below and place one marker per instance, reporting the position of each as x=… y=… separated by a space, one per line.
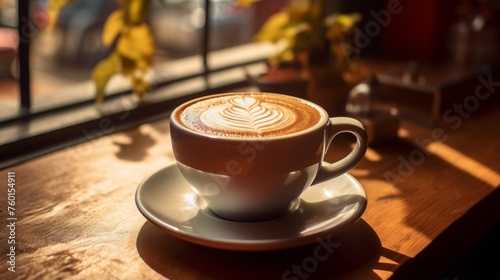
x=102 y=73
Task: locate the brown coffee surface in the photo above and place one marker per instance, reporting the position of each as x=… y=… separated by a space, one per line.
x=248 y=115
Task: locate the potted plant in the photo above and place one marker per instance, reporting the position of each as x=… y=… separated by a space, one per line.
x=312 y=49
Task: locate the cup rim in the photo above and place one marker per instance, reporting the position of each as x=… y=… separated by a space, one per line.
x=323 y=120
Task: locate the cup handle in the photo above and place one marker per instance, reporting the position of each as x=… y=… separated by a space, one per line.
x=339 y=125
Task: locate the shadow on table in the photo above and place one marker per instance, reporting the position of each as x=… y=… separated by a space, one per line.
x=354 y=250
x=136 y=149
x=420 y=177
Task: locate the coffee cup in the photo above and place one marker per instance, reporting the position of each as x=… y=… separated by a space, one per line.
x=249 y=156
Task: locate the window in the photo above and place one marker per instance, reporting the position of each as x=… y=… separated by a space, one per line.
x=50 y=100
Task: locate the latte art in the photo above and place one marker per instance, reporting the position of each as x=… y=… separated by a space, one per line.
x=248 y=115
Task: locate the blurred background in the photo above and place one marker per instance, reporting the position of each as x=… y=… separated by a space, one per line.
x=68 y=54
x=458 y=33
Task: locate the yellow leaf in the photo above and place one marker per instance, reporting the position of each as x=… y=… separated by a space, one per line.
x=293 y=31
x=136 y=11
x=112 y=27
x=128 y=66
x=54 y=9
x=137 y=43
x=140 y=86
x=286 y=55
x=273 y=28
x=136 y=71
x=345 y=20
x=246 y=3
x=300 y=10
x=348 y=21
x=102 y=73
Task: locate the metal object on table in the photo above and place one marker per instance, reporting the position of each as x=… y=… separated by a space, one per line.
x=381 y=122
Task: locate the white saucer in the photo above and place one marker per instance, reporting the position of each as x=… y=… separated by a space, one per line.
x=167 y=200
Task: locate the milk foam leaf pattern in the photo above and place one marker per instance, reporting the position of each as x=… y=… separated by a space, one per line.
x=248 y=114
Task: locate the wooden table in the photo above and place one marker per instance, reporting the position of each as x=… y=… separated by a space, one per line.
x=429 y=198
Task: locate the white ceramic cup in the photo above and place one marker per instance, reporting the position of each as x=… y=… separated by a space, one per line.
x=251 y=178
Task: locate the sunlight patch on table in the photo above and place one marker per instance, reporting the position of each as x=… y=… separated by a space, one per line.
x=465 y=163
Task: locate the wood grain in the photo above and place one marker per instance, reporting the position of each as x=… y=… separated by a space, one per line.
x=77 y=217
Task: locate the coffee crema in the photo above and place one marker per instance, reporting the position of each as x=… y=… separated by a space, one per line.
x=248 y=115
